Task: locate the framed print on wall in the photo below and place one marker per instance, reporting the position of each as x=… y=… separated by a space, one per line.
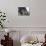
x=23 y=11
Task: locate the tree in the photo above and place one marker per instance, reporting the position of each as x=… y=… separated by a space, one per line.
x=2 y=19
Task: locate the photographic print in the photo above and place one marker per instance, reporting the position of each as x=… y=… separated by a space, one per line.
x=23 y=11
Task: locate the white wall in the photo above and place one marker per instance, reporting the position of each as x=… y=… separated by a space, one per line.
x=37 y=16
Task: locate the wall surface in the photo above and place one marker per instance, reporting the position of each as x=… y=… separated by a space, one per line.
x=37 y=16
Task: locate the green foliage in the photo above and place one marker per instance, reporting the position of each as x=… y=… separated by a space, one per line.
x=2 y=19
